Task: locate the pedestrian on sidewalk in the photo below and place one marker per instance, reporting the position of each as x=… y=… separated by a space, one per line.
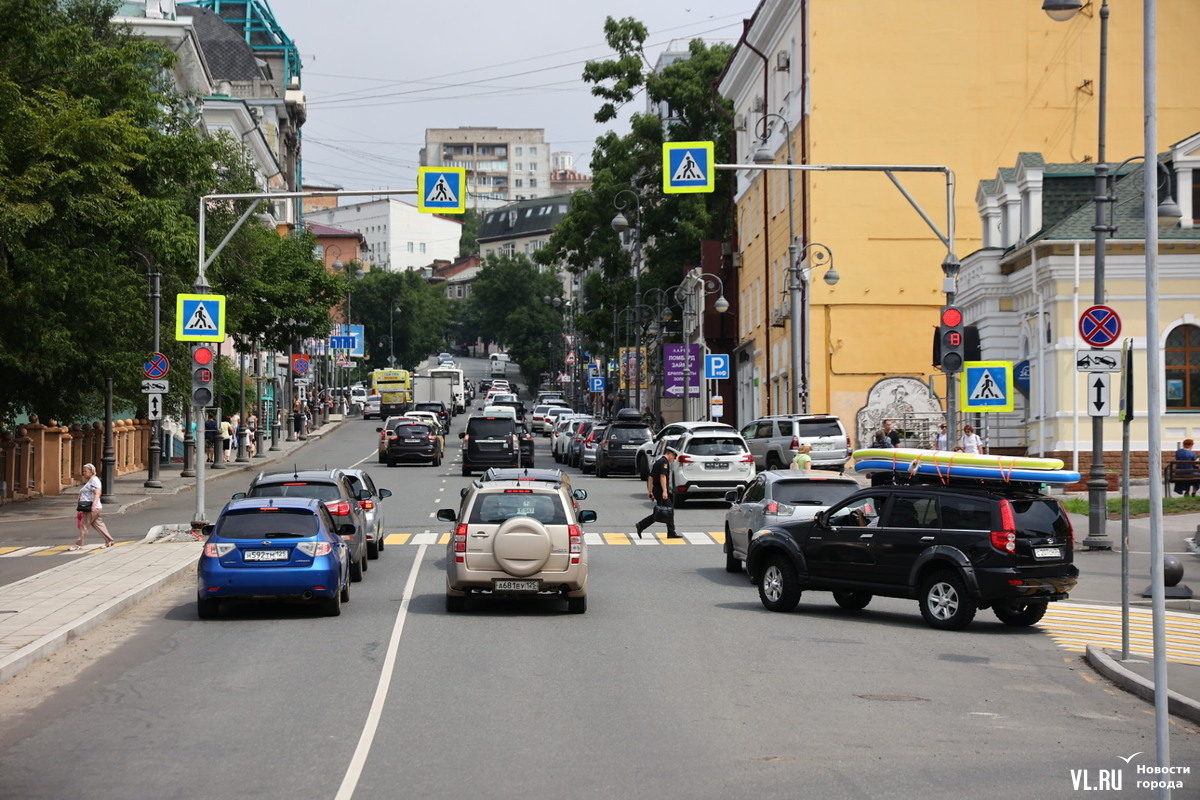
x=1186 y=475
x=226 y=439
x=656 y=490
x=89 y=508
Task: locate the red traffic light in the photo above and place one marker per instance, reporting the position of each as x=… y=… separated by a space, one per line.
x=202 y=355
x=952 y=317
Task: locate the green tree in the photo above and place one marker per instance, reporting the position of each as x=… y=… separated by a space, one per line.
x=507 y=302
x=468 y=244
x=417 y=329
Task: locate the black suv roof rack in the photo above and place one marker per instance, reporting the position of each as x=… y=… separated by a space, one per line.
x=1000 y=486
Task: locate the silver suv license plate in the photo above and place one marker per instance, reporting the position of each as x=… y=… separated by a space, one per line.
x=516 y=586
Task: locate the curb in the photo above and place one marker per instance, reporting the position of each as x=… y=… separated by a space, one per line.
x=1108 y=666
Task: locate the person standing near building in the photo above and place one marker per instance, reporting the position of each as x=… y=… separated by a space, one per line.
x=970 y=441
x=1187 y=477
x=892 y=435
x=89 y=508
x=656 y=490
x=940 y=441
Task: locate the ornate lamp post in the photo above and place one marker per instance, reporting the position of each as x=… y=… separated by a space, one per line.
x=620 y=224
x=802 y=345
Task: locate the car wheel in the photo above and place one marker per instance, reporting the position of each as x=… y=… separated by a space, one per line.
x=331 y=606
x=1020 y=613
x=466 y=471
x=945 y=604
x=732 y=562
x=373 y=549
x=779 y=587
x=852 y=600
x=345 y=593
x=455 y=603
x=383 y=459
x=437 y=460
x=773 y=462
x=365 y=565
x=208 y=607
x=601 y=472
x=577 y=605
x=356 y=570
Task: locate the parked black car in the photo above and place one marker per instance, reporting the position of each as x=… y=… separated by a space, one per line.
x=617 y=451
x=954 y=548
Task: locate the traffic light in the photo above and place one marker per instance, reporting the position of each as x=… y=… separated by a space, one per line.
x=202 y=375
x=952 y=339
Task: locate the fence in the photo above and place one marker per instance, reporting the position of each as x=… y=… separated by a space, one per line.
x=44 y=460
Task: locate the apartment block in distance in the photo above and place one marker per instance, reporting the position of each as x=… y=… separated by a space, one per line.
x=502 y=164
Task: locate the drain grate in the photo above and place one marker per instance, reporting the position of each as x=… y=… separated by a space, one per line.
x=894 y=698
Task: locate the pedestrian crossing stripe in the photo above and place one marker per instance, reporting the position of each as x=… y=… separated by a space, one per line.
x=1075 y=626
x=987 y=386
x=442 y=190
x=200 y=317
x=688 y=167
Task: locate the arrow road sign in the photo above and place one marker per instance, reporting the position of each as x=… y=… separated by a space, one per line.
x=155 y=387
x=155 y=406
x=1097 y=395
x=1099 y=326
x=1097 y=361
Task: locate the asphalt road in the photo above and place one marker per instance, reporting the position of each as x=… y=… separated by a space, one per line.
x=676 y=683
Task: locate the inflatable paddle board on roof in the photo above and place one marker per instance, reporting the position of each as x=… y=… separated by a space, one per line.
x=946 y=470
x=954 y=457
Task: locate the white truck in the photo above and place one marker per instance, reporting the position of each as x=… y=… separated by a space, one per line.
x=499 y=365
x=432 y=388
x=458 y=387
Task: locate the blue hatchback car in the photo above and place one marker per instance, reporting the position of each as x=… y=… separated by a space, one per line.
x=283 y=547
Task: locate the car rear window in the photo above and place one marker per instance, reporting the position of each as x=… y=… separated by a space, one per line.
x=1040 y=517
x=283 y=523
x=807 y=428
x=812 y=493
x=410 y=431
x=434 y=407
x=492 y=509
x=714 y=446
x=623 y=433
x=313 y=491
x=490 y=428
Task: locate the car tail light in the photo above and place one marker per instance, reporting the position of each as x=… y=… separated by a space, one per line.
x=576 y=538
x=1005 y=539
x=315 y=548
x=217 y=549
x=684 y=458
x=747 y=458
x=772 y=507
x=460 y=543
x=340 y=509
x=367 y=505
x=795 y=445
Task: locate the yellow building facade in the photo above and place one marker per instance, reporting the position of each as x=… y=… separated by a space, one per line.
x=965 y=85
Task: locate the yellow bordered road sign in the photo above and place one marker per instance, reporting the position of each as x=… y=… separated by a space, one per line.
x=200 y=317
x=986 y=386
x=442 y=190
x=688 y=167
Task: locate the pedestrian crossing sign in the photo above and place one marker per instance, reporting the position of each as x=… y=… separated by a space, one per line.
x=986 y=386
x=688 y=167
x=200 y=317
x=442 y=190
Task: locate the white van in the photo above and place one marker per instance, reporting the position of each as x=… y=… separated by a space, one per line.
x=499 y=365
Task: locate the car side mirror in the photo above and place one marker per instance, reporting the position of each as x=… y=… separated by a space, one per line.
x=238 y=496
x=385 y=493
x=347 y=530
x=463 y=491
x=208 y=529
x=462 y=434
x=821 y=519
x=379 y=430
x=587 y=515
x=579 y=494
x=447 y=515
x=731 y=497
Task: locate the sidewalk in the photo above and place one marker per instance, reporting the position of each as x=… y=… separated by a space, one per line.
x=41 y=613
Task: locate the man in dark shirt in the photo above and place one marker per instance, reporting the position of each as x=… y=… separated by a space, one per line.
x=656 y=490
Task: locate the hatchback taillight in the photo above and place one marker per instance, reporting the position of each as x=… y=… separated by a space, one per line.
x=367 y=505
x=684 y=458
x=1005 y=539
x=747 y=458
x=217 y=549
x=315 y=548
x=460 y=543
x=576 y=539
x=340 y=509
x=772 y=507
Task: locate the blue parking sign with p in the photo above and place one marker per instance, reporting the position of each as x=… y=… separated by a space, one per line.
x=716 y=367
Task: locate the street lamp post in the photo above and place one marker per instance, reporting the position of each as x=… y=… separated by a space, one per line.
x=392 y=336
x=799 y=276
x=703 y=284
x=620 y=224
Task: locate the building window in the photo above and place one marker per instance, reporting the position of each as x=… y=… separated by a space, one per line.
x=519 y=182
x=533 y=183
x=410 y=247
x=1182 y=360
x=533 y=151
x=421 y=247
x=519 y=166
x=517 y=151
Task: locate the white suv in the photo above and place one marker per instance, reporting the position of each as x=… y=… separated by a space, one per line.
x=710 y=463
x=517 y=538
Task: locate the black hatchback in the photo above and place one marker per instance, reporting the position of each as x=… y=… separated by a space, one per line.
x=490 y=441
x=617 y=450
x=406 y=441
x=954 y=548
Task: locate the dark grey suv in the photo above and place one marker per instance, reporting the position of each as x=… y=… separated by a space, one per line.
x=617 y=451
x=953 y=548
x=490 y=441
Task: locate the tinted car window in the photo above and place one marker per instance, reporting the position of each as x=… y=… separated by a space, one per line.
x=725 y=446
x=495 y=508
x=410 y=431
x=284 y=523
x=914 y=512
x=964 y=513
x=785 y=427
x=1040 y=517
x=819 y=427
x=315 y=491
x=490 y=428
x=823 y=493
x=623 y=434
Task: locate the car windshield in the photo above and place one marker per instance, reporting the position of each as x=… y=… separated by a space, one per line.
x=314 y=491
x=812 y=493
x=490 y=428
x=809 y=428
x=492 y=509
x=629 y=435
x=714 y=446
x=277 y=523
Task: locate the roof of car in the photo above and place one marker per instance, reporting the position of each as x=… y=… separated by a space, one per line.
x=307 y=503
x=308 y=475
x=795 y=475
x=523 y=474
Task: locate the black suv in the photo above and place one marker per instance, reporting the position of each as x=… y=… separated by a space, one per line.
x=336 y=490
x=954 y=548
x=617 y=450
x=490 y=442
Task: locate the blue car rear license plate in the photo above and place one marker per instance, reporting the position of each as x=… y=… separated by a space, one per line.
x=265 y=555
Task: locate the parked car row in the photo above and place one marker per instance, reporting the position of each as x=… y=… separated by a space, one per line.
x=303 y=535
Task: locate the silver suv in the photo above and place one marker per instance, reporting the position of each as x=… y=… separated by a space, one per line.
x=774 y=441
x=517 y=537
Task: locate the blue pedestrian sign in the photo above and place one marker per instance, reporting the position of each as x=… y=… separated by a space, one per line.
x=442 y=190
x=200 y=317
x=986 y=386
x=596 y=385
x=688 y=167
x=716 y=366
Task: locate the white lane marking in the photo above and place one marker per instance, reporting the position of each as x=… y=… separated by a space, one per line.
x=698 y=538
x=359 y=759
x=593 y=538
x=425 y=538
x=26 y=551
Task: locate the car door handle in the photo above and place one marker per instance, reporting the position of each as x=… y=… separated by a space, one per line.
x=927 y=538
x=866 y=535
x=480 y=534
